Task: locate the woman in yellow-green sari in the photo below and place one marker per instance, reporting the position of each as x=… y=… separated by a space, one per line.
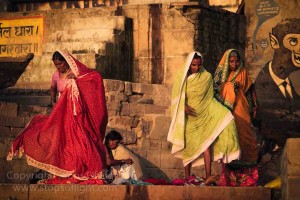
x=232 y=85
x=202 y=129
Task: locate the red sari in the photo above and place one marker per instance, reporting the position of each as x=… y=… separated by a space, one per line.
x=69 y=142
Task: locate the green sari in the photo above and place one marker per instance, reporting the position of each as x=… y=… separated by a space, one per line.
x=213 y=126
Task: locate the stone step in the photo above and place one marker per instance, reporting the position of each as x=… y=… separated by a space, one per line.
x=37 y=100
x=155 y=192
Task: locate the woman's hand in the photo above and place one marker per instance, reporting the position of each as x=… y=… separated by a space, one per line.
x=190 y=111
x=71 y=76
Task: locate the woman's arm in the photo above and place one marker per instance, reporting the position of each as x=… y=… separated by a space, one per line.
x=110 y=161
x=53 y=90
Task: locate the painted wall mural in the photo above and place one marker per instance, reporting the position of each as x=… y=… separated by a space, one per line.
x=273 y=56
x=265 y=10
x=20 y=36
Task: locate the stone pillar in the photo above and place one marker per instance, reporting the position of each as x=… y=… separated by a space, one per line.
x=290 y=169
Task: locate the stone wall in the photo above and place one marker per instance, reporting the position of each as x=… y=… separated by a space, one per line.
x=163 y=35
x=138 y=43
x=96 y=37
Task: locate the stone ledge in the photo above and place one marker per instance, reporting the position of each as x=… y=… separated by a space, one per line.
x=71 y=191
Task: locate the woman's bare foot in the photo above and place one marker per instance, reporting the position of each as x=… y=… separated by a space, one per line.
x=211 y=179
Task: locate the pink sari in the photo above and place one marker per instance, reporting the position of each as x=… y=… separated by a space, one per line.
x=69 y=142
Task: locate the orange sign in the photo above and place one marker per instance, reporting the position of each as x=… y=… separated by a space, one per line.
x=20 y=36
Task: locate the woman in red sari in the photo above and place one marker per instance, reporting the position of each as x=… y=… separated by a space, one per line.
x=69 y=142
x=232 y=86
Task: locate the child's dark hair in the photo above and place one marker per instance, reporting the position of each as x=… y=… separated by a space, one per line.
x=112 y=135
x=57 y=56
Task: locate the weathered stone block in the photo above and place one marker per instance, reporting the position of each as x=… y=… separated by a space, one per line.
x=168 y=161
x=16 y=191
x=31 y=110
x=143 y=128
x=27 y=120
x=77 y=191
x=143 y=45
x=174 y=15
x=155 y=172
x=113 y=105
x=161 y=95
x=173 y=44
x=160 y=128
x=5 y=131
x=136 y=109
x=113 y=85
x=3 y=148
x=165 y=145
x=154 y=109
x=134 y=98
x=174 y=173
x=88 y=59
x=291 y=188
x=290 y=160
x=143 y=21
x=145 y=101
x=154 y=144
x=142 y=88
x=12 y=121
x=9 y=109
x=11 y=170
x=127 y=88
x=154 y=157
x=124 y=121
x=171 y=70
x=129 y=137
x=5 y=145
x=125 y=109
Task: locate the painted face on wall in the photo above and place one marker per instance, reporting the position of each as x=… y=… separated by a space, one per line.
x=195 y=66
x=292 y=42
x=234 y=63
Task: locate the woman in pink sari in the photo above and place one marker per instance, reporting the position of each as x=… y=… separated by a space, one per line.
x=69 y=142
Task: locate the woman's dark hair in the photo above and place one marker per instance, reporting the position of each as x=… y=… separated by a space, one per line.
x=57 y=56
x=235 y=53
x=112 y=135
x=196 y=56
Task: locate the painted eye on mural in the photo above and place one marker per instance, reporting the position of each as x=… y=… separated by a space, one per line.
x=293 y=41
